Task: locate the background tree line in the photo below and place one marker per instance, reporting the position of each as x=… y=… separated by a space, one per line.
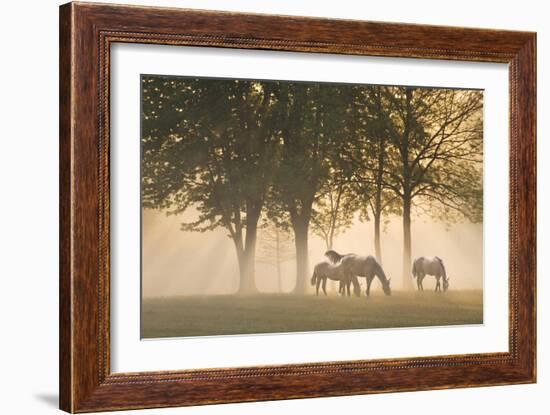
x=305 y=158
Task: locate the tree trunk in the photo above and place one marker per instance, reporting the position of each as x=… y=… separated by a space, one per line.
x=247 y=263
x=379 y=184
x=407 y=282
x=407 y=200
x=278 y=242
x=247 y=284
x=301 y=242
x=377 y=246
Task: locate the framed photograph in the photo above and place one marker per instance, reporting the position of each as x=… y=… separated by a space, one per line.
x=260 y=207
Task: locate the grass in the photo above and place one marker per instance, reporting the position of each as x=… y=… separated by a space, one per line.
x=276 y=313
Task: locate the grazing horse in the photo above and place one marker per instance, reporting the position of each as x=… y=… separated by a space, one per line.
x=325 y=270
x=361 y=266
x=423 y=266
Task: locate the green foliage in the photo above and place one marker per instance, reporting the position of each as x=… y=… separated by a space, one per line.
x=437 y=136
x=371 y=150
x=206 y=145
x=302 y=154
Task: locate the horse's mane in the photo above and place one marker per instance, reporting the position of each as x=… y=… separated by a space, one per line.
x=333 y=256
x=442 y=266
x=380 y=271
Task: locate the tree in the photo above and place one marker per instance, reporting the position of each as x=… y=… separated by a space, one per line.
x=217 y=161
x=369 y=160
x=307 y=155
x=436 y=155
x=310 y=116
x=275 y=248
x=335 y=204
x=333 y=212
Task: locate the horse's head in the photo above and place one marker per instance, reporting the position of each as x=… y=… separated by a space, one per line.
x=386 y=286
x=445 y=284
x=333 y=256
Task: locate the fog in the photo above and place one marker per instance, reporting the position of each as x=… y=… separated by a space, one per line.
x=175 y=262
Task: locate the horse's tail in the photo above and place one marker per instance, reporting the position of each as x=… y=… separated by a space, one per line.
x=414 y=269
x=313 y=278
x=442 y=267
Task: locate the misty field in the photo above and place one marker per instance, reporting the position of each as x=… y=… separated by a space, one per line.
x=275 y=313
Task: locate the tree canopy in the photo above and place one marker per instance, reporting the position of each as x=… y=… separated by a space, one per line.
x=309 y=157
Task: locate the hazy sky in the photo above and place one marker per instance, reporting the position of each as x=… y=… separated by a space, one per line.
x=190 y=263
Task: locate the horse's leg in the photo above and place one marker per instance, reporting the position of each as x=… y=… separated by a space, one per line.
x=325 y=286
x=317 y=285
x=437 y=284
x=369 y=282
x=343 y=287
x=356 y=286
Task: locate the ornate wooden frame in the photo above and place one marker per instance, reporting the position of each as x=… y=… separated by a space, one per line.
x=86 y=33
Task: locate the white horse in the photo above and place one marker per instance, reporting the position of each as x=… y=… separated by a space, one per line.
x=423 y=266
x=325 y=270
x=361 y=266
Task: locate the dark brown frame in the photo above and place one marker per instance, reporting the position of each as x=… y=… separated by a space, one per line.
x=86 y=33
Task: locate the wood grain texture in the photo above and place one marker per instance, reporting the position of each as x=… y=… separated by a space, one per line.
x=65 y=246
x=86 y=33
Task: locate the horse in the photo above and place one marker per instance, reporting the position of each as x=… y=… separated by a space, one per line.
x=423 y=266
x=361 y=266
x=325 y=270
